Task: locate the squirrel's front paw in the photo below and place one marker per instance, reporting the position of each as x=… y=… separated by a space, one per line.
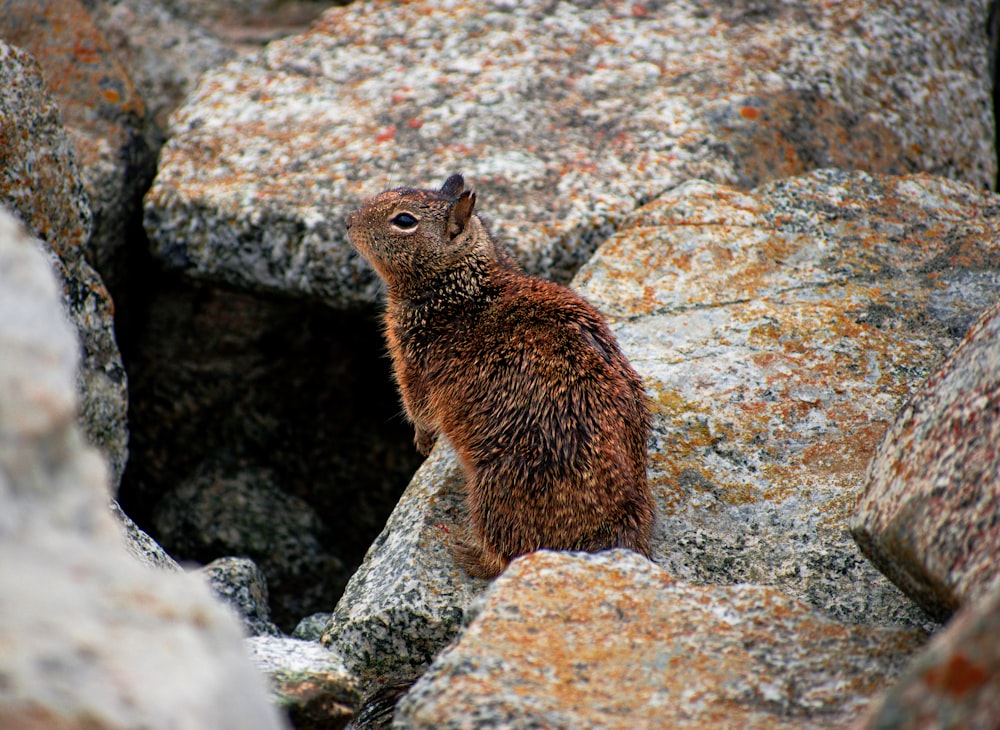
x=424 y=441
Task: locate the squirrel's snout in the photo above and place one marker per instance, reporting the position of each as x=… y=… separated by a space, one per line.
x=352 y=218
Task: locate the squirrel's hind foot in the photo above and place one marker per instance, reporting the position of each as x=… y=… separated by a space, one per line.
x=477 y=559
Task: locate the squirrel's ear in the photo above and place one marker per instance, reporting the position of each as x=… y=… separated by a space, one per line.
x=461 y=211
x=453 y=186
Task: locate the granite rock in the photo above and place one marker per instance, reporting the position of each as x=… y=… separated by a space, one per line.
x=929 y=513
x=243 y=587
x=778 y=333
x=566 y=116
x=611 y=641
x=40 y=182
x=307 y=681
x=406 y=601
x=246 y=513
x=311 y=627
x=104 y=117
x=954 y=682
x=91 y=638
x=164 y=51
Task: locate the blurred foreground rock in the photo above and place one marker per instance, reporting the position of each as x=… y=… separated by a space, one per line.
x=91 y=638
x=242 y=585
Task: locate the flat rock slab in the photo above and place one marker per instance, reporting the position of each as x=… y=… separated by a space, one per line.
x=778 y=333
x=929 y=515
x=611 y=641
x=567 y=118
x=954 y=682
x=308 y=681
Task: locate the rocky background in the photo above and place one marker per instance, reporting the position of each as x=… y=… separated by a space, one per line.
x=784 y=210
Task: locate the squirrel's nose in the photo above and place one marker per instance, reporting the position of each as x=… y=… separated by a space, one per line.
x=351 y=218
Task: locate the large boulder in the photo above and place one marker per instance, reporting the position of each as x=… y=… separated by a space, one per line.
x=778 y=334
x=41 y=183
x=91 y=637
x=407 y=599
x=567 y=116
x=611 y=641
x=929 y=515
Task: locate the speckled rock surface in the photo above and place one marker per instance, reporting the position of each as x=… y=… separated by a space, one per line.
x=239 y=582
x=41 y=184
x=246 y=513
x=565 y=116
x=610 y=641
x=955 y=681
x=104 y=117
x=778 y=333
x=929 y=514
x=307 y=681
x=406 y=600
x=90 y=637
x=165 y=53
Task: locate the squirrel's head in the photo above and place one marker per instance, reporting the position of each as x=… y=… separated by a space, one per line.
x=407 y=234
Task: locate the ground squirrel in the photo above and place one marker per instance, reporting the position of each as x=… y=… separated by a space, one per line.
x=522 y=376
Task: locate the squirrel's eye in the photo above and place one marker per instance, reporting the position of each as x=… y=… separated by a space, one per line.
x=404 y=221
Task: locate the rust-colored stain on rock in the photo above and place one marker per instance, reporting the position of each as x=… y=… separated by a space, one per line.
x=958 y=677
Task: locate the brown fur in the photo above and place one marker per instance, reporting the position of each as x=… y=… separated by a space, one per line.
x=522 y=375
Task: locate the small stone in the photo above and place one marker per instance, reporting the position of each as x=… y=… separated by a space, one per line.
x=241 y=584
x=311 y=627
